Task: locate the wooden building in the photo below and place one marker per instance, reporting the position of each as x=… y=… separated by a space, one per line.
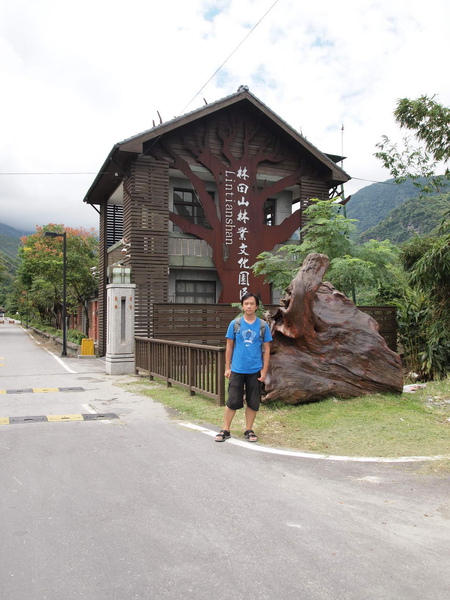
x=190 y=203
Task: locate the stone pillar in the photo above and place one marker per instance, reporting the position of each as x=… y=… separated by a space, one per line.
x=120 y=331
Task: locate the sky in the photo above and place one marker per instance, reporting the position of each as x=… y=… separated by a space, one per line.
x=79 y=77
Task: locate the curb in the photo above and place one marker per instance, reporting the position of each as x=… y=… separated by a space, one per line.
x=296 y=454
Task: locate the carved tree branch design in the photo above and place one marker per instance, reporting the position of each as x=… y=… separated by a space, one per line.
x=228 y=256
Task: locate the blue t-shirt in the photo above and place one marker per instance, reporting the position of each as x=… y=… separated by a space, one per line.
x=247 y=352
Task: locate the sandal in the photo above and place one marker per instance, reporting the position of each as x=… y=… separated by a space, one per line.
x=222 y=435
x=251 y=435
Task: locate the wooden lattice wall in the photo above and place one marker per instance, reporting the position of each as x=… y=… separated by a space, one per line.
x=114 y=231
x=146 y=226
x=207 y=323
x=314 y=189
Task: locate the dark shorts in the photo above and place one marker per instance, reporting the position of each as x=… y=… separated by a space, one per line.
x=240 y=384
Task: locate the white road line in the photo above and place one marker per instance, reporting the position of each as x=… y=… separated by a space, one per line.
x=33 y=338
x=93 y=411
x=68 y=369
x=51 y=353
x=295 y=454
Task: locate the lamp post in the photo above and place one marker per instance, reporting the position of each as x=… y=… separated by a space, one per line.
x=64 y=323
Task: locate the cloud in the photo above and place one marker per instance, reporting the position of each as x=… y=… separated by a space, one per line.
x=77 y=78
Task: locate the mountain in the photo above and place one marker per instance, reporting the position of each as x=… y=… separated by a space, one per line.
x=415 y=216
x=11 y=232
x=371 y=204
x=10 y=242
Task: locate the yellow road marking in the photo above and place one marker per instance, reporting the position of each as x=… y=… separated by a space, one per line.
x=57 y=418
x=41 y=390
x=65 y=418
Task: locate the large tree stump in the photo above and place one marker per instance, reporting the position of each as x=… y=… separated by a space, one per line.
x=324 y=346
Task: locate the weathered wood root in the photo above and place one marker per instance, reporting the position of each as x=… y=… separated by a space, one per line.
x=324 y=346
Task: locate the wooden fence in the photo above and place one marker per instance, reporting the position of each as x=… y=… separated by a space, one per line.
x=207 y=323
x=196 y=367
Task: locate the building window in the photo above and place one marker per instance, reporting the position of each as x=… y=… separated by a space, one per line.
x=195 y=292
x=187 y=205
x=269 y=212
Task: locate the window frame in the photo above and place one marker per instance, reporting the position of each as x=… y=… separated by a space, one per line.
x=199 y=296
x=197 y=216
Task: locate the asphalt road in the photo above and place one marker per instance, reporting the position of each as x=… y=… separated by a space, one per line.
x=140 y=506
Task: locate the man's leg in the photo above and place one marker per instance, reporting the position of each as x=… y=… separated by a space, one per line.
x=235 y=398
x=228 y=418
x=250 y=416
x=253 y=396
x=249 y=420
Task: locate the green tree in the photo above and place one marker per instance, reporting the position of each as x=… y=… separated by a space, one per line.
x=429 y=121
x=424 y=310
x=354 y=270
x=40 y=272
x=427 y=260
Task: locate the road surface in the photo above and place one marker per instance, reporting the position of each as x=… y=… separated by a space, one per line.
x=138 y=506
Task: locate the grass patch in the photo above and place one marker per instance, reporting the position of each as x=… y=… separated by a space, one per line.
x=410 y=424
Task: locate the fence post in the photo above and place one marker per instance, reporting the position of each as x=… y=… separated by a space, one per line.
x=149 y=360
x=167 y=360
x=191 y=366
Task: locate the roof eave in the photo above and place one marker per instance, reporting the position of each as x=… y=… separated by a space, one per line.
x=135 y=144
x=110 y=176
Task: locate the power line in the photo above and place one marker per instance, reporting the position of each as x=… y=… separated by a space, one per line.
x=8 y=261
x=373 y=181
x=228 y=57
x=7 y=253
x=53 y=173
x=107 y=173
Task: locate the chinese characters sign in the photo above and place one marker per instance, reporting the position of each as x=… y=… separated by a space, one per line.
x=238 y=225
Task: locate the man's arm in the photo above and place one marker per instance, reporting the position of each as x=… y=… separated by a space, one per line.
x=266 y=359
x=228 y=356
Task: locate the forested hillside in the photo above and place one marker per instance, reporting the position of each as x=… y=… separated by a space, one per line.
x=9 y=245
x=416 y=216
x=10 y=240
x=371 y=204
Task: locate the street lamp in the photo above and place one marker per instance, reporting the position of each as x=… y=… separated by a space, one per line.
x=64 y=324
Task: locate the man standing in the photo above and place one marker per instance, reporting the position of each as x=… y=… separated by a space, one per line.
x=246 y=363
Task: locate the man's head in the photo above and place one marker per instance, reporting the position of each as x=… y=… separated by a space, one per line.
x=248 y=296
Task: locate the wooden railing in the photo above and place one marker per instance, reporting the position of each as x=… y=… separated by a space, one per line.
x=196 y=367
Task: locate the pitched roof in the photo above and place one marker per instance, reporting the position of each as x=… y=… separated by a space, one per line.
x=111 y=174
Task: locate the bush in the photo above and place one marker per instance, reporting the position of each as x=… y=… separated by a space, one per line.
x=423 y=337
x=75 y=336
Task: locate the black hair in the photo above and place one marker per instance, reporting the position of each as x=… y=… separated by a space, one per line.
x=250 y=295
